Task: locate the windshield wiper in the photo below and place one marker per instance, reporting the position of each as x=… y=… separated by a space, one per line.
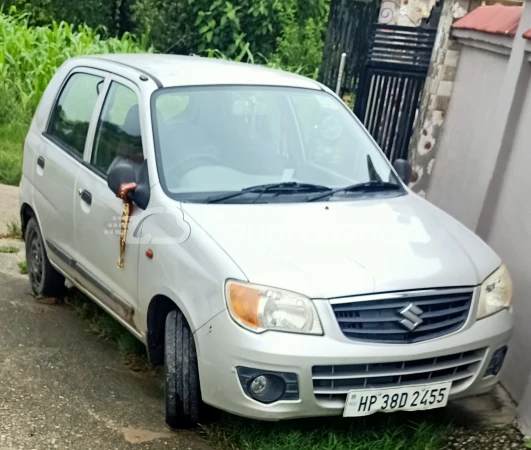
x=373 y=185
x=288 y=186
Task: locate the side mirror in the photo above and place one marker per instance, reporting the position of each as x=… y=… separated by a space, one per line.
x=404 y=170
x=124 y=171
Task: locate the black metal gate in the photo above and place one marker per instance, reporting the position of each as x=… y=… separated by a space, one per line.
x=349 y=29
x=391 y=83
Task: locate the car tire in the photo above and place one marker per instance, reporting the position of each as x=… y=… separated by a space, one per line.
x=181 y=375
x=44 y=279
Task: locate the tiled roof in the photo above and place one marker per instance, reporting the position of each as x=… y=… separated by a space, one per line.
x=495 y=19
x=527 y=34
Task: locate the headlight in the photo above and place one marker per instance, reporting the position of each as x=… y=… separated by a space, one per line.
x=496 y=293
x=261 y=308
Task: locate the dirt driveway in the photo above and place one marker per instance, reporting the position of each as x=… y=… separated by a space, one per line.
x=63 y=388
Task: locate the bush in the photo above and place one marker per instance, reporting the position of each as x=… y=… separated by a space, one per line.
x=94 y=13
x=235 y=28
x=300 y=45
x=285 y=33
x=194 y=26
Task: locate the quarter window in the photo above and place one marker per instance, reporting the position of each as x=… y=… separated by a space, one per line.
x=118 y=132
x=71 y=116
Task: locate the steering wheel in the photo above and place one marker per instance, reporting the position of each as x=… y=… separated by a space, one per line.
x=184 y=165
x=330 y=128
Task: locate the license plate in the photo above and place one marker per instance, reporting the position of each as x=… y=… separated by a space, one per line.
x=411 y=398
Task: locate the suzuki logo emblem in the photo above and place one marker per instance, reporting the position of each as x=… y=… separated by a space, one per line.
x=411 y=315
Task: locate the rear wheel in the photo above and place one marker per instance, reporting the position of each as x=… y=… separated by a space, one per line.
x=181 y=375
x=44 y=279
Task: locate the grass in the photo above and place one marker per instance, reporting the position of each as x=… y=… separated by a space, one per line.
x=400 y=431
x=8 y=249
x=528 y=443
x=11 y=141
x=23 y=267
x=29 y=57
x=14 y=229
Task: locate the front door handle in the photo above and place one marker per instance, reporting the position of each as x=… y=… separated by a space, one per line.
x=85 y=195
x=40 y=162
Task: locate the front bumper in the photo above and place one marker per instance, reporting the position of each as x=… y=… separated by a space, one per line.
x=222 y=346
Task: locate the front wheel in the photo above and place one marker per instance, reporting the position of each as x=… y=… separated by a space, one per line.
x=181 y=375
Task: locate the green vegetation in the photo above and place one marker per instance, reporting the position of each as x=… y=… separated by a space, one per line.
x=8 y=249
x=14 y=230
x=108 y=14
x=282 y=33
x=528 y=443
x=11 y=141
x=23 y=267
x=285 y=32
x=406 y=431
x=29 y=57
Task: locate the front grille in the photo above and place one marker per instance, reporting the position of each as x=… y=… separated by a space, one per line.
x=334 y=382
x=377 y=318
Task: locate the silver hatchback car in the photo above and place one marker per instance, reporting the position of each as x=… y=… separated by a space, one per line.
x=243 y=224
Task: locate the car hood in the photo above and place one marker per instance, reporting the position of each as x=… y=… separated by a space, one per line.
x=334 y=249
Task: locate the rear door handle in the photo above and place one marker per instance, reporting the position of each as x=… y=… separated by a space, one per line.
x=40 y=162
x=85 y=195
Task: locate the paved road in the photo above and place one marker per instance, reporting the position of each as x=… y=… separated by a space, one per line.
x=63 y=388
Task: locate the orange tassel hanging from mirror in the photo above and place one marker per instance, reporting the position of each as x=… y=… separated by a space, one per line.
x=128 y=210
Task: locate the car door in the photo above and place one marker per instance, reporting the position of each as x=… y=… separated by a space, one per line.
x=58 y=158
x=98 y=211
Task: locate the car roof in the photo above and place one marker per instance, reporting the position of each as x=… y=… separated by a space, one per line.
x=177 y=70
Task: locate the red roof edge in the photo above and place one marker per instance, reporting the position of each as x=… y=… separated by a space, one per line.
x=494 y=19
x=527 y=34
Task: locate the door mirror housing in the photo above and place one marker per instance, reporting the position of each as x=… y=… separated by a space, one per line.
x=404 y=170
x=125 y=171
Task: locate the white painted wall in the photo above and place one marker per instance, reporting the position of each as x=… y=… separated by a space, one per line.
x=461 y=172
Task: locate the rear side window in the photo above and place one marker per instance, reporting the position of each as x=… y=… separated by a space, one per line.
x=118 y=132
x=72 y=113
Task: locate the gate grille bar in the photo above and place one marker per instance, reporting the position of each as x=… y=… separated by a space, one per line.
x=390 y=86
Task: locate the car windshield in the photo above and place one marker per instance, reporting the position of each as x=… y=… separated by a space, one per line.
x=222 y=139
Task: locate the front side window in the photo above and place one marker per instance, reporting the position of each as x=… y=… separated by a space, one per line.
x=118 y=131
x=71 y=116
x=223 y=139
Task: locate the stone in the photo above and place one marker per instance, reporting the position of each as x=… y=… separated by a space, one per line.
x=445 y=88
x=449 y=73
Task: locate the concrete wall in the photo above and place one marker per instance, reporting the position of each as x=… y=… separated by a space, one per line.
x=461 y=175
x=510 y=237
x=482 y=174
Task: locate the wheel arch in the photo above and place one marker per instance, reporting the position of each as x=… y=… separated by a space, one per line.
x=159 y=308
x=26 y=213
